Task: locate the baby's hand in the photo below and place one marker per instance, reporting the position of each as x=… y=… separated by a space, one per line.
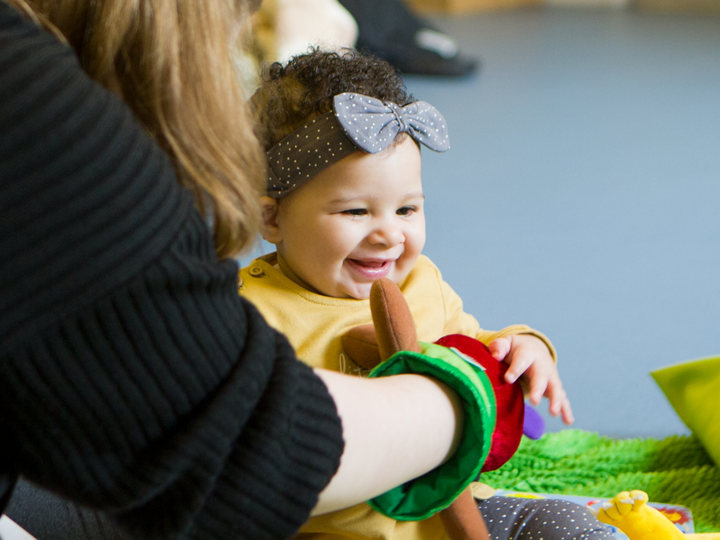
x=530 y=358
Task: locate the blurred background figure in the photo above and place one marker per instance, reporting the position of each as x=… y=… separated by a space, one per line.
x=389 y=29
x=288 y=27
x=392 y=31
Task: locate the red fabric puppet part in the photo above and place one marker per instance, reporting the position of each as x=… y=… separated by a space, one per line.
x=508 y=397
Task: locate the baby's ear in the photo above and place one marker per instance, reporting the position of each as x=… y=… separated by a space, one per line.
x=270 y=230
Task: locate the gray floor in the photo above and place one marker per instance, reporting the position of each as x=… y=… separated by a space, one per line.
x=582 y=194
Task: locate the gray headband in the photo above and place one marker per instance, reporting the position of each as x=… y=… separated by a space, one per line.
x=357 y=123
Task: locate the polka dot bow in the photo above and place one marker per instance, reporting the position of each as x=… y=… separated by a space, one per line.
x=357 y=123
x=373 y=125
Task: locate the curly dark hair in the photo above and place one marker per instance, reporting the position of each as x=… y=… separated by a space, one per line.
x=292 y=95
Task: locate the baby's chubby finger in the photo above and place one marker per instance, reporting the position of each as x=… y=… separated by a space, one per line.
x=556 y=395
x=500 y=347
x=559 y=403
x=519 y=364
x=566 y=412
x=520 y=361
x=538 y=388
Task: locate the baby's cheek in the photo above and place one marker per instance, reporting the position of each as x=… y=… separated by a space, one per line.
x=403 y=266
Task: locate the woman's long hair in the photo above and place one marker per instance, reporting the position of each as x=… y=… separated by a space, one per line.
x=172 y=61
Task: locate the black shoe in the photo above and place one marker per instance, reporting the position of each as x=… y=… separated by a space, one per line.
x=429 y=53
x=413 y=60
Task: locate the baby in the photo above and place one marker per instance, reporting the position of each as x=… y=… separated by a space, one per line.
x=344 y=207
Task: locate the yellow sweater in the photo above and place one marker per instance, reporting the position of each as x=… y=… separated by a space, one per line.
x=314 y=325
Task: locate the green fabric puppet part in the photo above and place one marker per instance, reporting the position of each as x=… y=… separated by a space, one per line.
x=434 y=491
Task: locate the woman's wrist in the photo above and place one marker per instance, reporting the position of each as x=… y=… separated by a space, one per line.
x=395 y=429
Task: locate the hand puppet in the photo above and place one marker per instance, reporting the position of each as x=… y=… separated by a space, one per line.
x=393 y=330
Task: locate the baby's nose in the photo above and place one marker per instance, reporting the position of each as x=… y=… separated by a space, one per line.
x=388 y=235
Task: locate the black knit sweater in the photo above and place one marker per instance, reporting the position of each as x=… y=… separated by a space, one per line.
x=133 y=378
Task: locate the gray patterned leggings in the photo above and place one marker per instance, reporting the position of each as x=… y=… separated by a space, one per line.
x=510 y=518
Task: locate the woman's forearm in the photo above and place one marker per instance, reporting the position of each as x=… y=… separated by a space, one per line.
x=395 y=429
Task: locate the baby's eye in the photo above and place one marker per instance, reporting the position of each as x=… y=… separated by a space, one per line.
x=355 y=212
x=405 y=210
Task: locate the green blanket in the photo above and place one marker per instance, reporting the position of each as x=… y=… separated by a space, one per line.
x=676 y=470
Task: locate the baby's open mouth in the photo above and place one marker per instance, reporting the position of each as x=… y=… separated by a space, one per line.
x=370 y=268
x=369 y=264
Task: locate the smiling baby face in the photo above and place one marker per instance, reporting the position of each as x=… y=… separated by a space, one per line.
x=358 y=220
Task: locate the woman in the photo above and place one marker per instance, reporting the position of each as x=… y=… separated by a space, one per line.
x=133 y=379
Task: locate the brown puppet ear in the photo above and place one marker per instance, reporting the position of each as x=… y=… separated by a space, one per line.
x=393 y=321
x=393 y=329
